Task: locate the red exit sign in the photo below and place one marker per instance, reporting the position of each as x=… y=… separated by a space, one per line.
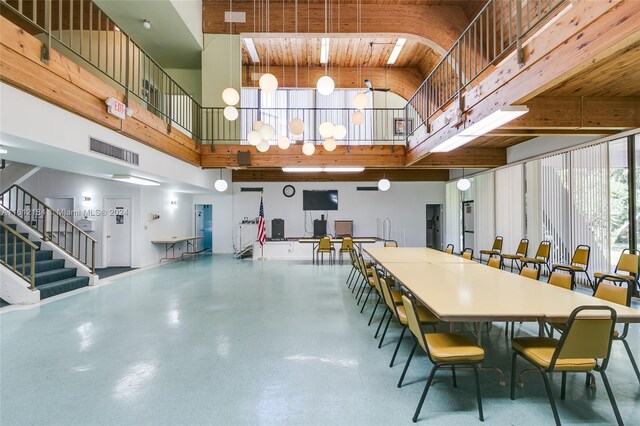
x=116 y=108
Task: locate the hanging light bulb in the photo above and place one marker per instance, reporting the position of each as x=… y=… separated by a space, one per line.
x=384 y=184
x=308 y=148
x=357 y=118
x=339 y=131
x=231 y=113
x=254 y=138
x=268 y=82
x=325 y=85
x=230 y=96
x=296 y=127
x=257 y=125
x=463 y=184
x=263 y=146
x=220 y=185
x=326 y=129
x=266 y=132
x=360 y=101
x=283 y=142
x=329 y=144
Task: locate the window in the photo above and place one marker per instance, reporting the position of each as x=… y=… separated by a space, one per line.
x=618 y=199
x=637 y=188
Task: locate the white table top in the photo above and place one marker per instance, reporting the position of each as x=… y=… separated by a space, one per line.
x=176 y=240
x=475 y=292
x=338 y=240
x=412 y=255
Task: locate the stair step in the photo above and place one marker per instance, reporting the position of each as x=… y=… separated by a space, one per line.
x=44 y=265
x=62 y=286
x=40 y=255
x=10 y=237
x=20 y=244
x=55 y=275
x=4 y=303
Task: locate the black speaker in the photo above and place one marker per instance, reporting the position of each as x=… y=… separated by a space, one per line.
x=244 y=158
x=277 y=229
x=319 y=228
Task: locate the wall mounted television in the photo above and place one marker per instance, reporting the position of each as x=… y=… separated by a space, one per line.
x=320 y=200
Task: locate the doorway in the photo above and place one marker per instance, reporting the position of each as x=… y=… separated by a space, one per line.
x=203 y=225
x=434 y=215
x=118 y=231
x=468 y=236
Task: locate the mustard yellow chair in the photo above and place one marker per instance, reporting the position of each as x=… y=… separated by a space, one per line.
x=449 y=249
x=532 y=273
x=390 y=243
x=345 y=247
x=467 y=254
x=626 y=268
x=443 y=350
x=495 y=262
x=496 y=249
x=541 y=258
x=398 y=311
x=521 y=251
x=354 y=267
x=579 y=262
x=587 y=339
x=561 y=280
x=325 y=246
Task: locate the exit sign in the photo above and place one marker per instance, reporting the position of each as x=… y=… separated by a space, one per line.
x=116 y=108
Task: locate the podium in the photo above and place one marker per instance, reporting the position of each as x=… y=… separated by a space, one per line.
x=319 y=228
x=277 y=229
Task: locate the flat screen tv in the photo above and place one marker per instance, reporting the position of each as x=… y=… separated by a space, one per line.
x=320 y=200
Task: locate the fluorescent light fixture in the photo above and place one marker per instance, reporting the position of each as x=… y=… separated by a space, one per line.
x=487 y=124
x=324 y=50
x=396 y=51
x=251 y=47
x=322 y=169
x=135 y=180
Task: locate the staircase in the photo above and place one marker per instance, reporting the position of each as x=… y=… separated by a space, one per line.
x=51 y=275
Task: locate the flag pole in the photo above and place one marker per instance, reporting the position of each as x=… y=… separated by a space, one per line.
x=262 y=228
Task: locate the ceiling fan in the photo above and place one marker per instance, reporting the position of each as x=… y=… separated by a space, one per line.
x=374 y=89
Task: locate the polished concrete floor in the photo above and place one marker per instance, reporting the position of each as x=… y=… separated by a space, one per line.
x=225 y=342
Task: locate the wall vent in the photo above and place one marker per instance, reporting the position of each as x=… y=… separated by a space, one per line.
x=251 y=189
x=367 y=188
x=112 y=151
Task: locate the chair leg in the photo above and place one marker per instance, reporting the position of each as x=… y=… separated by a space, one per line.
x=513 y=376
x=384 y=333
x=453 y=376
x=365 y=299
x=350 y=277
x=612 y=399
x=563 y=388
x=406 y=365
x=375 y=308
x=547 y=385
x=384 y=313
x=589 y=279
x=631 y=358
x=478 y=394
x=393 y=358
x=362 y=294
x=424 y=393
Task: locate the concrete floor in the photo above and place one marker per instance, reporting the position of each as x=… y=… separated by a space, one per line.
x=223 y=341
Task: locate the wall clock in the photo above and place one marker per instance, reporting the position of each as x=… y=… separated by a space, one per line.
x=288 y=191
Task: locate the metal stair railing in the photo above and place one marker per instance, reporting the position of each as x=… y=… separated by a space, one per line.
x=50 y=224
x=29 y=276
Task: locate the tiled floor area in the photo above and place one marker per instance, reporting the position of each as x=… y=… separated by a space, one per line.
x=225 y=342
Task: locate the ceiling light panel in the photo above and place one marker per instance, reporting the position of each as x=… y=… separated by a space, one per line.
x=324 y=50
x=396 y=51
x=251 y=47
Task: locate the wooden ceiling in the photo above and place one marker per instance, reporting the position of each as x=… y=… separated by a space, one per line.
x=352 y=52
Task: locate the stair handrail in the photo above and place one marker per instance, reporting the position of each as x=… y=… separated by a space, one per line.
x=13 y=266
x=41 y=219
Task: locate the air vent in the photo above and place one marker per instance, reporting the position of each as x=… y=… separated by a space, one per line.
x=112 y=151
x=251 y=189
x=367 y=188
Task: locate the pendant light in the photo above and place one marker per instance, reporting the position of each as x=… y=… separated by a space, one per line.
x=325 y=84
x=329 y=144
x=357 y=118
x=384 y=184
x=263 y=146
x=360 y=101
x=296 y=127
x=230 y=113
x=230 y=95
x=283 y=142
x=339 y=131
x=326 y=129
x=308 y=148
x=221 y=185
x=464 y=183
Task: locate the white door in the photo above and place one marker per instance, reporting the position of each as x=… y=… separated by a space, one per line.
x=118 y=227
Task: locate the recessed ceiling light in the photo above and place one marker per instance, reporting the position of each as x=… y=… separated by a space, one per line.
x=136 y=180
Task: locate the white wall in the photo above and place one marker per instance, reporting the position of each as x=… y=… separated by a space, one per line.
x=544 y=144
x=405 y=204
x=174 y=221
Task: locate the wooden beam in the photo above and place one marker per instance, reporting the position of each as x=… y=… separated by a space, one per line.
x=552 y=132
x=64 y=83
x=402 y=81
x=588 y=33
x=365 y=156
x=368 y=175
x=465 y=157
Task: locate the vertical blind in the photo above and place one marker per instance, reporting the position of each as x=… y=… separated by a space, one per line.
x=484 y=216
x=510 y=206
x=452 y=223
x=555 y=199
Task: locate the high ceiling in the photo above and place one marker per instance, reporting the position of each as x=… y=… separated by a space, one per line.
x=365 y=51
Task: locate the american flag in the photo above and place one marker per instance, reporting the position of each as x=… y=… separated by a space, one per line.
x=262 y=226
